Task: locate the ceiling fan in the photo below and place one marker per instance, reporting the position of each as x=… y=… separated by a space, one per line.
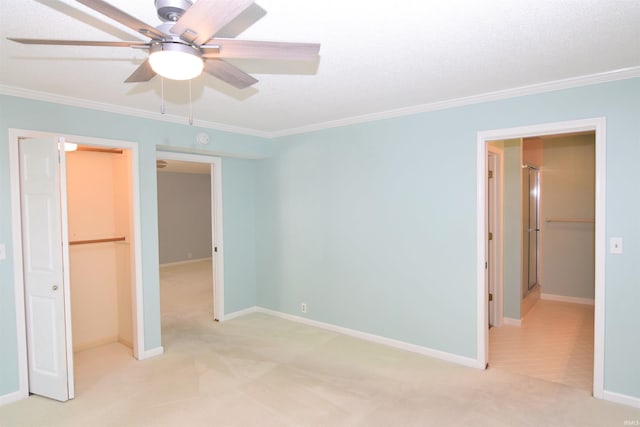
x=185 y=43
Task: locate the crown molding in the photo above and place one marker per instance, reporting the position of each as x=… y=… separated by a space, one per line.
x=118 y=109
x=622 y=74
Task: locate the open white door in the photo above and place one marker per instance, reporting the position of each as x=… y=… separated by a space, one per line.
x=43 y=259
x=494 y=235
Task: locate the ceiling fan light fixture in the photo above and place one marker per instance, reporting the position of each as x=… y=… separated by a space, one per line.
x=175 y=61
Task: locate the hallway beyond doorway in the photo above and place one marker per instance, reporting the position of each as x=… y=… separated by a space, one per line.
x=186 y=296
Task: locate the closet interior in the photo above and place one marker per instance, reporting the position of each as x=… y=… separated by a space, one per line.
x=101 y=252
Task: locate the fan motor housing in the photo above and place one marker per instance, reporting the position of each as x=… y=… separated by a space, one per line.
x=172 y=10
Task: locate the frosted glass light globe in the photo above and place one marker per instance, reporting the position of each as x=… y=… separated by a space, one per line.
x=175 y=61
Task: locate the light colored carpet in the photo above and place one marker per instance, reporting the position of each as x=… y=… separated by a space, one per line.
x=259 y=370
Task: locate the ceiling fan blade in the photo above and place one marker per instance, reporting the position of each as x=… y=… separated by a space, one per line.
x=247 y=18
x=143 y=73
x=206 y=17
x=123 y=18
x=78 y=42
x=233 y=48
x=229 y=73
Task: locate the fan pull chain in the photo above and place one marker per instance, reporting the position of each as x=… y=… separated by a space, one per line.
x=161 y=95
x=190 y=106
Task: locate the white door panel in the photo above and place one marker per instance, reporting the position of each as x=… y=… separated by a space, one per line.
x=43 y=268
x=491 y=212
x=44 y=332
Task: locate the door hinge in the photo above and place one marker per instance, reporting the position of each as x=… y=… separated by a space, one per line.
x=490 y=174
x=215 y=249
x=490 y=236
x=490 y=297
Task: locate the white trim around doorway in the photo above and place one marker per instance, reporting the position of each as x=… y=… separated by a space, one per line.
x=138 y=324
x=216 y=218
x=599 y=126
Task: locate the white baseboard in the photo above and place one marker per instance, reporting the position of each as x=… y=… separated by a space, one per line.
x=148 y=354
x=562 y=298
x=239 y=313
x=621 y=399
x=13 y=397
x=512 y=322
x=187 y=261
x=449 y=357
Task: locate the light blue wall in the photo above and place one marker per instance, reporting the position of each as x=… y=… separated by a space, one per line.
x=512 y=265
x=350 y=224
x=238 y=202
x=35 y=115
x=622 y=340
x=374 y=225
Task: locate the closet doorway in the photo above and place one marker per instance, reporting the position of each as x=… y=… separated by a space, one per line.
x=190 y=241
x=76 y=239
x=101 y=256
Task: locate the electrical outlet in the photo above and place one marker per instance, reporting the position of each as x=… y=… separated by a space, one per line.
x=303 y=307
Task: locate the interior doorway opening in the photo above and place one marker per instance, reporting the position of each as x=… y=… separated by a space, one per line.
x=190 y=240
x=100 y=252
x=101 y=257
x=512 y=316
x=549 y=340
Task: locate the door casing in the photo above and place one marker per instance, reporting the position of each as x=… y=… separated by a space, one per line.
x=138 y=320
x=598 y=125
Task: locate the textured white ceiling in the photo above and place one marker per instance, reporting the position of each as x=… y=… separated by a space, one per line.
x=375 y=56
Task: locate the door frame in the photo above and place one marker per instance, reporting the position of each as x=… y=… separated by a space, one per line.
x=598 y=125
x=16 y=225
x=216 y=221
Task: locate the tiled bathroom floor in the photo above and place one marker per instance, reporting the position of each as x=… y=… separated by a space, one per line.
x=554 y=343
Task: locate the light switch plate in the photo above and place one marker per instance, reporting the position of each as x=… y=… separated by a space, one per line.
x=615 y=245
x=3 y=251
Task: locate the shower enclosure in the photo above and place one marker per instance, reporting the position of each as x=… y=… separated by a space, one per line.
x=531 y=226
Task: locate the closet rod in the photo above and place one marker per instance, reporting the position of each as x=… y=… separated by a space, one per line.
x=586 y=220
x=84 y=242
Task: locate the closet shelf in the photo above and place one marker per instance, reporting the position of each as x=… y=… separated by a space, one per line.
x=109 y=239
